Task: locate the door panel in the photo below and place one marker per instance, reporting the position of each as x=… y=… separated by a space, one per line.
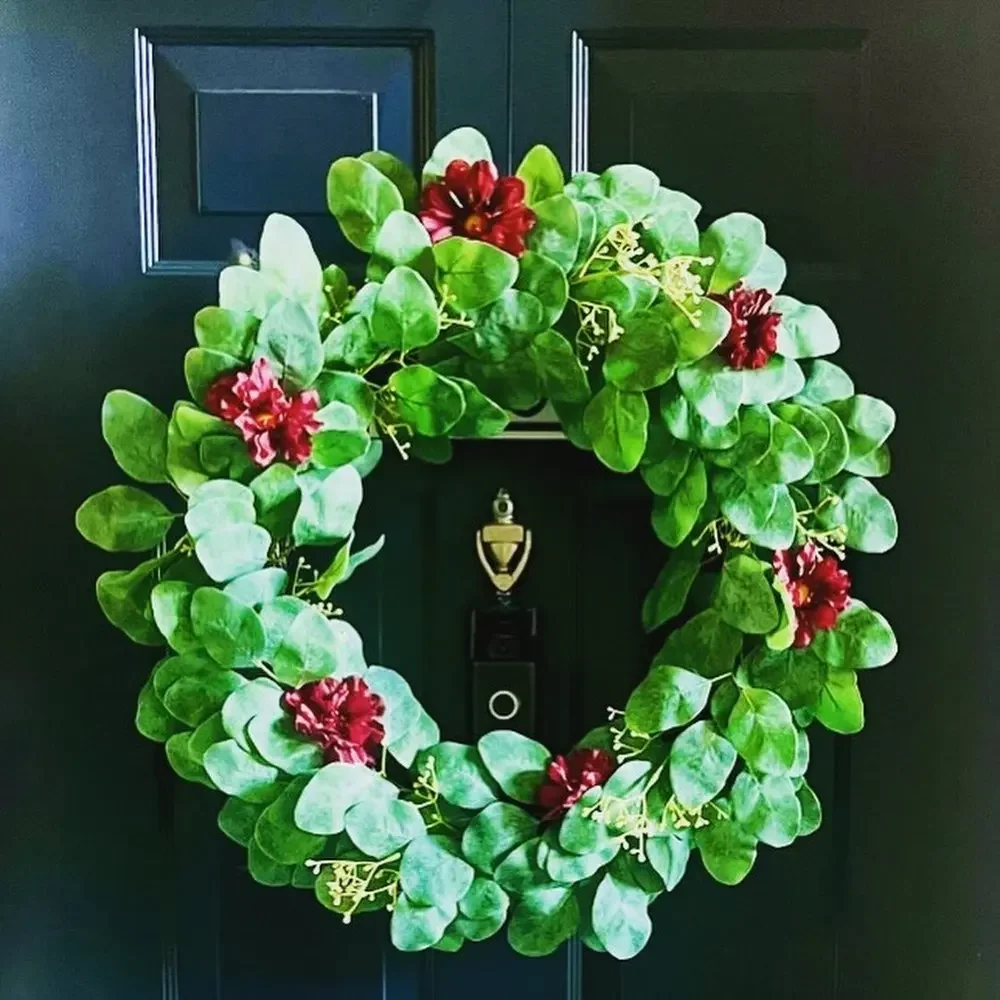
x=848 y=127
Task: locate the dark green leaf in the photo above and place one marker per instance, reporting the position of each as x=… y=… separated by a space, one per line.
x=123 y=519
x=644 y=356
x=669 y=593
x=461 y=775
x=494 y=833
x=701 y=760
x=136 y=433
x=674 y=517
x=471 y=273
x=516 y=763
x=745 y=598
x=230 y=630
x=541 y=173
x=762 y=730
x=427 y=401
x=361 y=198
x=542 y=920
x=705 y=644
x=861 y=638
x=667 y=697
x=276 y=833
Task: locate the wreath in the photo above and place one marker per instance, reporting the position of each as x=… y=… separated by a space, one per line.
x=662 y=349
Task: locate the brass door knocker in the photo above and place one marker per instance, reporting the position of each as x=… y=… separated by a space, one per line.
x=504 y=541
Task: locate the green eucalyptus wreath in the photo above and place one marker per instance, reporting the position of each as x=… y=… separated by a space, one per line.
x=661 y=349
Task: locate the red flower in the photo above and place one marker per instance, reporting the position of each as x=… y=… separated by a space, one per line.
x=567 y=778
x=271 y=422
x=753 y=333
x=342 y=716
x=819 y=589
x=472 y=201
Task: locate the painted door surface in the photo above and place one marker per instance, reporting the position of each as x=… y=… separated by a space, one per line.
x=139 y=137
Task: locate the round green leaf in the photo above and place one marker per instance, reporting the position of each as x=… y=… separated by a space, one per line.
x=701 y=760
x=481 y=418
x=542 y=920
x=123 y=519
x=515 y=762
x=616 y=424
x=826 y=382
x=429 y=402
x=277 y=835
x=402 y=240
x=274 y=738
x=668 y=595
x=860 y=639
x=193 y=699
x=361 y=198
x=289 y=339
x=461 y=775
x=381 y=828
x=136 y=433
x=644 y=356
x=431 y=872
x=405 y=315
x=564 y=379
x=556 y=233
x=494 y=833
x=840 y=707
x=620 y=917
x=712 y=388
x=668 y=697
x=543 y=279
x=259 y=697
x=330 y=499
x=322 y=807
x=541 y=173
x=870 y=517
x=233 y=550
x=224 y=330
x=472 y=274
x=464 y=143
x=797 y=676
x=675 y=516
x=482 y=910
x=762 y=730
x=669 y=858
x=705 y=644
x=768 y=808
x=805 y=331
x=151 y=717
x=735 y=243
x=745 y=598
x=240 y=774
x=230 y=630
x=398 y=172
x=728 y=851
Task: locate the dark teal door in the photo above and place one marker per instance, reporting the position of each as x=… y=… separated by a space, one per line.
x=139 y=137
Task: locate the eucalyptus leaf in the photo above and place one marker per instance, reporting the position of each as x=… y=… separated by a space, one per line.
x=136 y=433
x=123 y=519
x=701 y=760
x=361 y=198
x=616 y=424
